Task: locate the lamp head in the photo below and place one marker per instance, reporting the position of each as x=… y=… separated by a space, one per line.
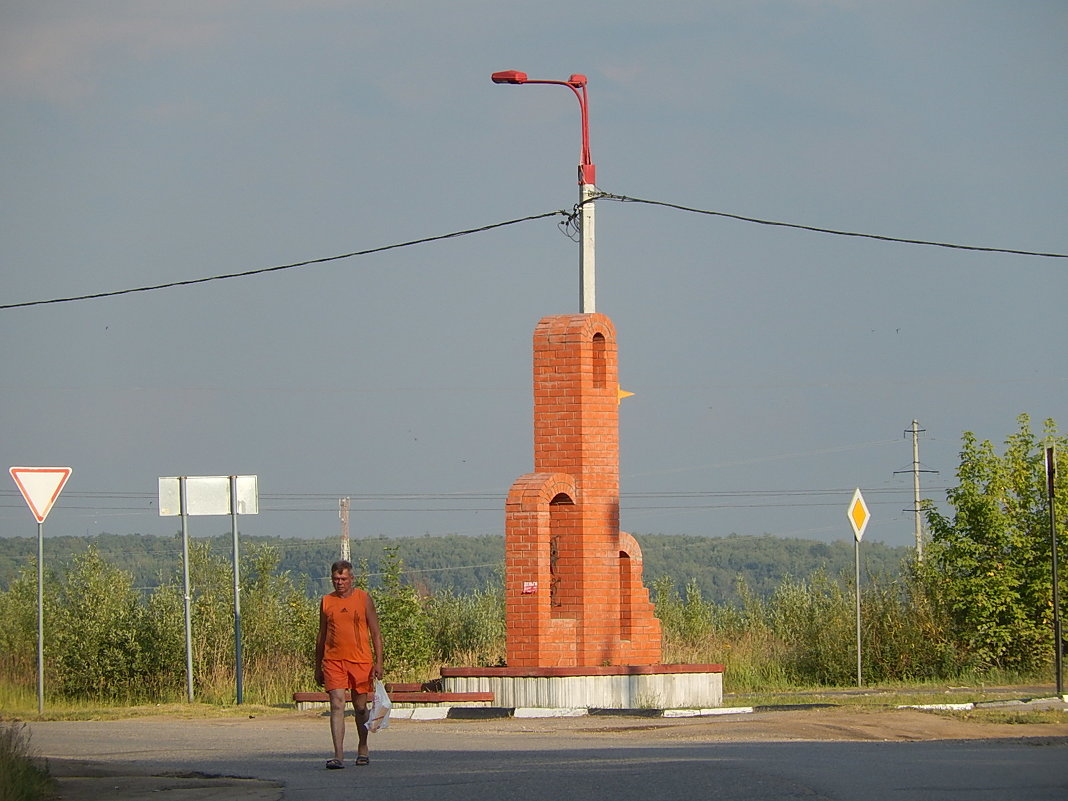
x=510 y=76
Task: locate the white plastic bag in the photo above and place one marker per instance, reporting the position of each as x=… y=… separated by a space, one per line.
x=381 y=706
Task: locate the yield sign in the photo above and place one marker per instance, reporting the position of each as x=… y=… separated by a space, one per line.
x=40 y=486
x=858 y=514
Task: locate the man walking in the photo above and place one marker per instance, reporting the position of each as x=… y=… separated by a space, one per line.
x=344 y=659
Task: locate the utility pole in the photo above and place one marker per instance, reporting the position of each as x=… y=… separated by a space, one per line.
x=1058 y=639
x=343 y=513
x=916 y=489
x=915 y=430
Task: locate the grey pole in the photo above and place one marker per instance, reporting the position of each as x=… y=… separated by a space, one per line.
x=917 y=504
x=40 y=618
x=587 y=249
x=916 y=488
x=343 y=513
x=184 y=508
x=1058 y=642
x=238 y=671
x=856 y=560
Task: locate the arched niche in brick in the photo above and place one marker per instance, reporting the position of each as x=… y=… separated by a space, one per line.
x=562 y=535
x=600 y=361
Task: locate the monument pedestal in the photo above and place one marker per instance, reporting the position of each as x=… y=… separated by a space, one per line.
x=607 y=687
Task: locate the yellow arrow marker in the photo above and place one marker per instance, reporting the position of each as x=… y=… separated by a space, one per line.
x=621 y=394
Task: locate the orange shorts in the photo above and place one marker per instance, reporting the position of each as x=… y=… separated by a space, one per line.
x=340 y=674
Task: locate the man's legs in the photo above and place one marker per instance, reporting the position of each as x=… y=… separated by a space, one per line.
x=337 y=722
x=359 y=704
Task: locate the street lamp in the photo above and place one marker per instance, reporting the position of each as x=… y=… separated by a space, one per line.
x=587 y=179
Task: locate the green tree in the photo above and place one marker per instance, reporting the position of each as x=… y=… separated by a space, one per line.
x=987 y=568
x=686 y=619
x=212 y=588
x=279 y=621
x=164 y=652
x=816 y=620
x=97 y=639
x=467 y=629
x=404 y=621
x=18 y=622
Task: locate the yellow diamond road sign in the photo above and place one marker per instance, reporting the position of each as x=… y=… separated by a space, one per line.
x=858 y=514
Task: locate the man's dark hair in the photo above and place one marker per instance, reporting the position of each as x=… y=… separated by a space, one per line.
x=340 y=566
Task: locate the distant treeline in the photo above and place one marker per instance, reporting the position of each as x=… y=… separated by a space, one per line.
x=466 y=563
x=761 y=563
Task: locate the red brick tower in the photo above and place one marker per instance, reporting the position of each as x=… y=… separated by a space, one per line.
x=573 y=580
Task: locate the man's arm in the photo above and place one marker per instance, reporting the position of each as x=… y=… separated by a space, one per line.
x=376 y=635
x=320 y=645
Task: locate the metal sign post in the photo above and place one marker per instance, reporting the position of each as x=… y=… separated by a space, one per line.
x=186 y=594
x=40 y=618
x=40 y=486
x=210 y=495
x=858 y=518
x=238 y=663
x=1058 y=640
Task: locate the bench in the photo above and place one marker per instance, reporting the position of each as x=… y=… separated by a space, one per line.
x=402 y=693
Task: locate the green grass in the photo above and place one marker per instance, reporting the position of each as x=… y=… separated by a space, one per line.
x=18 y=701
x=266 y=685
x=1011 y=716
x=20 y=695
x=89 y=711
x=891 y=695
x=23 y=777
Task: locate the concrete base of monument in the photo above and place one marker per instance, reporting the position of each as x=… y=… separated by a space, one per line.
x=607 y=687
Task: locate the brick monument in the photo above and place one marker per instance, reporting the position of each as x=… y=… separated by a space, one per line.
x=573 y=581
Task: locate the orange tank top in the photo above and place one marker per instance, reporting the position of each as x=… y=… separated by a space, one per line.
x=347 y=635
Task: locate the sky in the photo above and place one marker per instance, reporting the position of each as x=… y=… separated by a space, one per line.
x=774 y=369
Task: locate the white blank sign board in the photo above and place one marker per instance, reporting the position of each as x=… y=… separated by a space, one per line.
x=208 y=495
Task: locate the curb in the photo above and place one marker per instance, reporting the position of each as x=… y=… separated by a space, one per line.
x=1034 y=703
x=498 y=712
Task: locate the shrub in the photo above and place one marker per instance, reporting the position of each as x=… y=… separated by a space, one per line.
x=467 y=629
x=404 y=622
x=18 y=626
x=23 y=777
x=97 y=633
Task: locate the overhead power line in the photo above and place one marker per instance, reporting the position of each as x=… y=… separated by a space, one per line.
x=280 y=267
x=568 y=216
x=834 y=232
x=429 y=502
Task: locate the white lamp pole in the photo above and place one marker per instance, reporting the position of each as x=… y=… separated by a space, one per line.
x=587 y=178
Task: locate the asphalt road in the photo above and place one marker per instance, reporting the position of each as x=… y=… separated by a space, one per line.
x=771 y=756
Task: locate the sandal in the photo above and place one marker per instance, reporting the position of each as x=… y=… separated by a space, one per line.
x=334 y=764
x=363 y=759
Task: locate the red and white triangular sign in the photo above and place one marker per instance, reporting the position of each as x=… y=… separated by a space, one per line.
x=40 y=486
